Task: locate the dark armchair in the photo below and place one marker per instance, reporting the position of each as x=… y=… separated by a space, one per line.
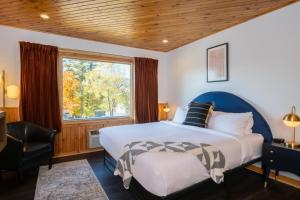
x=28 y=145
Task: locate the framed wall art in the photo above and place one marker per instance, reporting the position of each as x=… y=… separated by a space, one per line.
x=217 y=63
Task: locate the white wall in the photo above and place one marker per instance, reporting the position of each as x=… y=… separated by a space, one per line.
x=10 y=55
x=264 y=66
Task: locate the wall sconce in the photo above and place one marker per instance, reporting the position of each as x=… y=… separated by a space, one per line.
x=11 y=91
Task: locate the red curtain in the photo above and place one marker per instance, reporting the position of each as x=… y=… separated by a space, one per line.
x=39 y=101
x=146 y=90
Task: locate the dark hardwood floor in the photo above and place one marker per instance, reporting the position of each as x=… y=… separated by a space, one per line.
x=243 y=184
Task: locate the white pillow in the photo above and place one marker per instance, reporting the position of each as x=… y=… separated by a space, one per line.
x=180 y=115
x=238 y=124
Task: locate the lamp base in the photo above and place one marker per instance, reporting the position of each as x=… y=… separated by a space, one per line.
x=292 y=144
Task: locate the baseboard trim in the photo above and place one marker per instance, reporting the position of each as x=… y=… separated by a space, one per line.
x=280 y=178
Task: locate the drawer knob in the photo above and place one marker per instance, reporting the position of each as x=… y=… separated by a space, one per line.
x=271 y=161
x=271 y=151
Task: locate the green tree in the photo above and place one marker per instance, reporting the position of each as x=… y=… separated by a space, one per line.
x=71 y=102
x=96 y=87
x=107 y=89
x=79 y=68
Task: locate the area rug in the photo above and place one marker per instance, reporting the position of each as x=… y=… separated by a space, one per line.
x=69 y=180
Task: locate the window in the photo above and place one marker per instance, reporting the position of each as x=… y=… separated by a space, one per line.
x=95 y=89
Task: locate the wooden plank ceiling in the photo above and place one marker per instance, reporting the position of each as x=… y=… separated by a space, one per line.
x=135 y=23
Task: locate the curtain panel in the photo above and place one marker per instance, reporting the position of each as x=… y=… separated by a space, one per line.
x=39 y=97
x=146 y=90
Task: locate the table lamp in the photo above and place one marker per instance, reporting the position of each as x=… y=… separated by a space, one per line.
x=292 y=120
x=167 y=110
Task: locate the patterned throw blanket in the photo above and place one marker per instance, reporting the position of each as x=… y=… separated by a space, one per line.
x=211 y=157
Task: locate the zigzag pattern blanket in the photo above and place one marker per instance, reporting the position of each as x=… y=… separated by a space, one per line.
x=210 y=156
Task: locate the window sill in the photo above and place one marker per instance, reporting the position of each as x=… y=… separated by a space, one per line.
x=103 y=120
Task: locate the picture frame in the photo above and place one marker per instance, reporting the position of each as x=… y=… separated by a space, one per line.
x=217 y=63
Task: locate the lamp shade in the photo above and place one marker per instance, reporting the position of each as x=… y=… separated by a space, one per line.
x=292 y=119
x=12 y=92
x=167 y=109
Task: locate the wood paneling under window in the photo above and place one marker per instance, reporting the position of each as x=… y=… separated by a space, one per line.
x=143 y=24
x=74 y=136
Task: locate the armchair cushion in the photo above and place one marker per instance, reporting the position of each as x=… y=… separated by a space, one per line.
x=36 y=149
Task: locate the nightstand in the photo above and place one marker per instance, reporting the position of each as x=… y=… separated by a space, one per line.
x=278 y=157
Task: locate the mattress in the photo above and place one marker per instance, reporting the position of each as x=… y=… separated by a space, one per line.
x=163 y=173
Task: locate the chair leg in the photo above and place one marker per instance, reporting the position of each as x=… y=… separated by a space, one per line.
x=50 y=163
x=1 y=175
x=227 y=188
x=21 y=175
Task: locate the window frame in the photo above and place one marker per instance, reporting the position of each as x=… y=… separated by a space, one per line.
x=99 y=57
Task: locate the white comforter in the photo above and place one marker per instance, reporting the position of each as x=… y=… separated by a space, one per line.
x=163 y=173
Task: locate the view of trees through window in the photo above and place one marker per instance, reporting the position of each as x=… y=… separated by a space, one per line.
x=95 y=89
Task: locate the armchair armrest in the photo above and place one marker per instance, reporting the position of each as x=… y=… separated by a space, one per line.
x=17 y=130
x=53 y=130
x=37 y=133
x=30 y=132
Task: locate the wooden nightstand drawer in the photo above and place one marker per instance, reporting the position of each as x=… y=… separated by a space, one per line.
x=269 y=154
x=269 y=150
x=270 y=161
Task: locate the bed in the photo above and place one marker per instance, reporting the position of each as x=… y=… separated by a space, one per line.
x=159 y=181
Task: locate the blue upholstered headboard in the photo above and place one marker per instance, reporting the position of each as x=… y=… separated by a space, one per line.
x=227 y=102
